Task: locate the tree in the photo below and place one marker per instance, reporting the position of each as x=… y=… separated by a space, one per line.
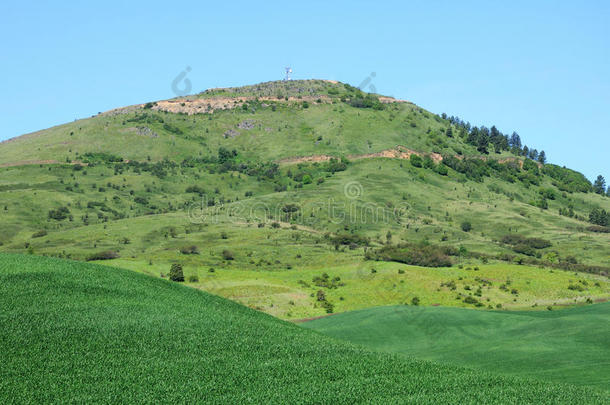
x=515 y=141
x=542 y=157
x=175 y=272
x=466 y=226
x=599 y=186
x=599 y=217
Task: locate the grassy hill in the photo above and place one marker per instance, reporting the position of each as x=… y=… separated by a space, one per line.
x=75 y=332
x=238 y=185
x=567 y=345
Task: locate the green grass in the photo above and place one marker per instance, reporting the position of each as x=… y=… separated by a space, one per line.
x=147 y=216
x=75 y=332
x=569 y=345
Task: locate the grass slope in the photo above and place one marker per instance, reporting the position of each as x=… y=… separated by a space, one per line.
x=74 y=332
x=570 y=345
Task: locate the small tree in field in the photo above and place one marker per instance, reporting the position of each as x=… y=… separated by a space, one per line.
x=466 y=226
x=175 y=273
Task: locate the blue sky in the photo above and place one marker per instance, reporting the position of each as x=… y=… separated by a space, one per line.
x=540 y=68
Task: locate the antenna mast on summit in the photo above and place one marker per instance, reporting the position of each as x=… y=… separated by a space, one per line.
x=288 y=73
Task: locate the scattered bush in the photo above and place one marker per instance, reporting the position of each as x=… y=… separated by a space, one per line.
x=414 y=254
x=228 y=255
x=189 y=250
x=325 y=281
x=175 y=273
x=59 y=214
x=105 y=255
x=39 y=234
x=416 y=160
x=193 y=278
x=466 y=226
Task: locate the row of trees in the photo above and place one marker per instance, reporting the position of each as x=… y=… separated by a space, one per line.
x=483 y=137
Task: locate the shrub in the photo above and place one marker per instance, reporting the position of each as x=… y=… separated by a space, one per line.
x=189 y=250
x=466 y=226
x=39 y=234
x=414 y=254
x=193 y=278
x=321 y=295
x=349 y=239
x=228 y=255
x=416 y=160
x=105 y=255
x=415 y=301
x=325 y=281
x=175 y=273
x=598 y=228
x=195 y=189
x=599 y=217
x=527 y=246
x=59 y=214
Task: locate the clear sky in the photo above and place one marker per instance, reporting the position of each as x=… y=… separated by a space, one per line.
x=538 y=67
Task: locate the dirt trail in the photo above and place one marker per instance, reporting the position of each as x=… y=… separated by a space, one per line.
x=399 y=152
x=39 y=162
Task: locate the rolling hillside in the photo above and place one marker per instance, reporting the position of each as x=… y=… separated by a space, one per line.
x=75 y=332
x=570 y=345
x=258 y=191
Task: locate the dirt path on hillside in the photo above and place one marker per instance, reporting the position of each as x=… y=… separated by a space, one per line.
x=399 y=152
x=40 y=162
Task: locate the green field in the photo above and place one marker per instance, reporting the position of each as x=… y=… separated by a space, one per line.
x=569 y=345
x=75 y=332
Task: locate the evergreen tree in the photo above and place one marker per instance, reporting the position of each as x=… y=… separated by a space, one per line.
x=482 y=143
x=599 y=186
x=515 y=141
x=542 y=157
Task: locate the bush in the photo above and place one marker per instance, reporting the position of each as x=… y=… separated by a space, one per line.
x=175 y=273
x=327 y=282
x=189 y=250
x=524 y=245
x=598 y=228
x=415 y=301
x=416 y=161
x=105 y=255
x=349 y=239
x=466 y=226
x=39 y=234
x=228 y=255
x=59 y=214
x=599 y=217
x=414 y=254
x=195 y=189
x=193 y=278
